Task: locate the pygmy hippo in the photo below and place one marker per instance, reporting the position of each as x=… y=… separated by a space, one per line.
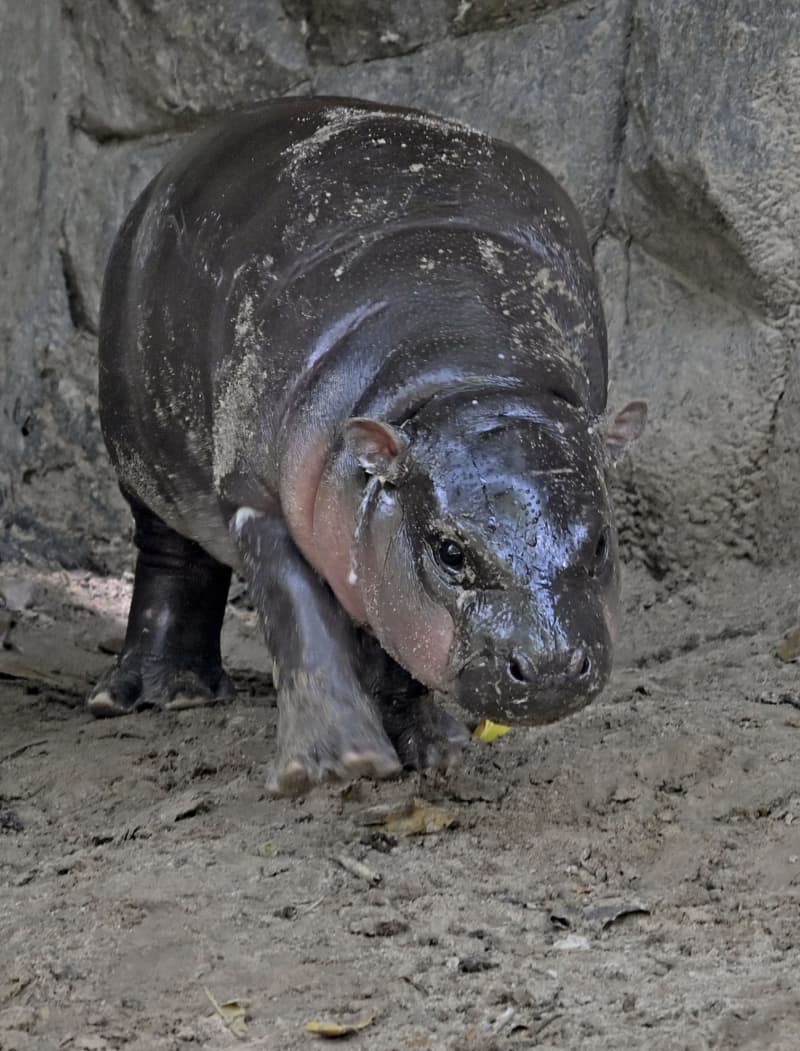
x=356 y=352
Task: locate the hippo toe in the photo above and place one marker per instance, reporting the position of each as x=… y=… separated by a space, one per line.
x=324 y=738
x=139 y=681
x=425 y=736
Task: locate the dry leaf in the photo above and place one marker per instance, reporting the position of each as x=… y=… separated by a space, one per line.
x=419 y=820
x=603 y=913
x=789 y=647
x=234 y=1016
x=335 y=1030
x=380 y=814
x=488 y=731
x=232 y=1013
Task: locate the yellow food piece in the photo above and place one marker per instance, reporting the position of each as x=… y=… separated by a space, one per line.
x=488 y=731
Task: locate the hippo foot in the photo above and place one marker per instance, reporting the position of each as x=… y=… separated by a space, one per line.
x=327 y=733
x=139 y=681
x=425 y=736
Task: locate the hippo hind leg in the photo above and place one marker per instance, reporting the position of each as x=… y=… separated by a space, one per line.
x=425 y=735
x=171 y=656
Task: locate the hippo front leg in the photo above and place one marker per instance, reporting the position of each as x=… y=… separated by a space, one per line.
x=425 y=736
x=328 y=726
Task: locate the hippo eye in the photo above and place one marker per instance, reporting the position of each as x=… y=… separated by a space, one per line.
x=451 y=555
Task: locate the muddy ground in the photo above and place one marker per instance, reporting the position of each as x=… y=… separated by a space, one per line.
x=142 y=867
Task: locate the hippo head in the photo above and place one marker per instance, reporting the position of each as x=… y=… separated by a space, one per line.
x=486 y=553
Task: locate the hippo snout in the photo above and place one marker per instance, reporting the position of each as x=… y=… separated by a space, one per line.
x=522 y=689
x=533 y=676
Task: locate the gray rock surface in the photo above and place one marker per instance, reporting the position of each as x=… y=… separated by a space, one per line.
x=340 y=32
x=708 y=204
x=675 y=126
x=150 y=65
x=692 y=484
x=31 y=149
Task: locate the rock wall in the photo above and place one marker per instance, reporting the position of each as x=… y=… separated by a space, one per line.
x=675 y=126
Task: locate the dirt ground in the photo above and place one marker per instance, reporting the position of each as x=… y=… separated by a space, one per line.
x=629 y=878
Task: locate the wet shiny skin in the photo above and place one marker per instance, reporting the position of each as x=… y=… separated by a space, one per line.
x=522 y=631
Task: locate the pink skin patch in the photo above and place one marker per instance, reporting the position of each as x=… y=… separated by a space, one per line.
x=421 y=638
x=332 y=531
x=611 y=609
x=419 y=634
x=322 y=525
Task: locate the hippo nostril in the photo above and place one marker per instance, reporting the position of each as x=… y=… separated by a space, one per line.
x=581 y=663
x=521 y=667
x=515 y=671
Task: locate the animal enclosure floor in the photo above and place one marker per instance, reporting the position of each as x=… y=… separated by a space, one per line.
x=629 y=878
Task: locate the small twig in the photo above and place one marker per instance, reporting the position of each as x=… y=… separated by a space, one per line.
x=414 y=985
x=302 y=910
x=779 y=698
x=539 y=1029
x=226 y=1021
x=357 y=868
x=23 y=748
x=215 y=1004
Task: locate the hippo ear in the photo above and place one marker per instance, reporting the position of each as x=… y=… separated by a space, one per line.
x=378 y=447
x=625 y=428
